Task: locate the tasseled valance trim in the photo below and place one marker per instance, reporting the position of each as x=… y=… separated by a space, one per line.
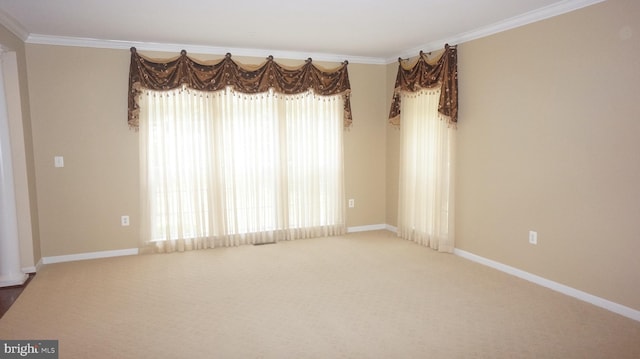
x=184 y=71
x=424 y=75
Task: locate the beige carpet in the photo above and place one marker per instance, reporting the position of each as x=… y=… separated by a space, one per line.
x=363 y=295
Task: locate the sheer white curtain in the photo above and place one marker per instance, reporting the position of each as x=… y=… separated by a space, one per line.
x=426 y=188
x=225 y=168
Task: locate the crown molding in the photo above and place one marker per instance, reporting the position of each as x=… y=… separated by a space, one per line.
x=517 y=21
x=543 y=13
x=196 y=49
x=12 y=25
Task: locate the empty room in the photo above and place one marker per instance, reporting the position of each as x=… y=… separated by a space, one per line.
x=338 y=179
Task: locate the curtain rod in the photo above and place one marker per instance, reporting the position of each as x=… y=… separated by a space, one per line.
x=446 y=47
x=228 y=55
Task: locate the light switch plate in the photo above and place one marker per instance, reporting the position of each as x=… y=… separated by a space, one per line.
x=58 y=161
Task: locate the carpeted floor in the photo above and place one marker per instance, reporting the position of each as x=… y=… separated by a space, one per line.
x=363 y=295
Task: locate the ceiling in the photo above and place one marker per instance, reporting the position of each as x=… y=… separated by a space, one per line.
x=368 y=31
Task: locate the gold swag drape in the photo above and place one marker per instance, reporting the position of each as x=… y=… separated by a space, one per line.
x=148 y=74
x=424 y=75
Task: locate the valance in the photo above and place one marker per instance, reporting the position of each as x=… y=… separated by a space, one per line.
x=184 y=71
x=424 y=75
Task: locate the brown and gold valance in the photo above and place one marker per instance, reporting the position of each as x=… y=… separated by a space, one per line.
x=424 y=75
x=147 y=74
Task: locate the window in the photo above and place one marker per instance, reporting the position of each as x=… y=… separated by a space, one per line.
x=226 y=168
x=425 y=106
x=426 y=179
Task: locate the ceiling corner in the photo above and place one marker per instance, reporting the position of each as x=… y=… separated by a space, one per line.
x=507 y=24
x=12 y=25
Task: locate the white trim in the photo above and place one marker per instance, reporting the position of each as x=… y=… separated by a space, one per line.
x=28 y=270
x=391 y=228
x=195 y=49
x=543 y=13
x=12 y=25
x=561 y=288
x=39 y=265
x=14 y=281
x=516 y=21
x=370 y=227
x=589 y=298
x=91 y=255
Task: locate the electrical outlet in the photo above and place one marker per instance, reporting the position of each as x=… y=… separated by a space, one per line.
x=352 y=203
x=124 y=220
x=533 y=237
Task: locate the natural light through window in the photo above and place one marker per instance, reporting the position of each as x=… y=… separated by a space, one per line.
x=226 y=166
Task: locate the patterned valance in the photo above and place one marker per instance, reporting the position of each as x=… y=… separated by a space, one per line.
x=184 y=71
x=423 y=75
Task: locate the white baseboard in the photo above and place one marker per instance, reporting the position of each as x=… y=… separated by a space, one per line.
x=371 y=227
x=561 y=288
x=589 y=298
x=91 y=255
x=29 y=270
x=13 y=279
x=33 y=269
x=134 y=251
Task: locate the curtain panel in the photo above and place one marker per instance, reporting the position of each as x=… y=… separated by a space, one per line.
x=426 y=181
x=423 y=75
x=184 y=71
x=225 y=168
